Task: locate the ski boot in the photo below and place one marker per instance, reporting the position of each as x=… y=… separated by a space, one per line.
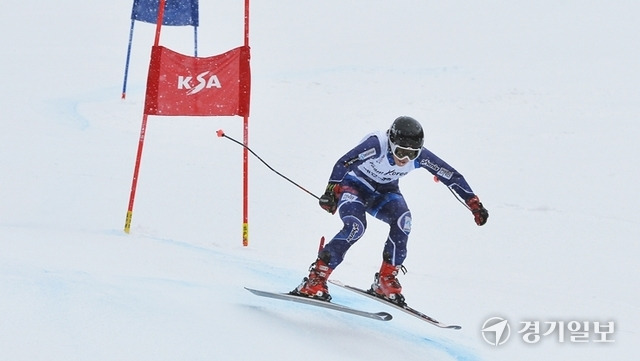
x=386 y=285
x=315 y=286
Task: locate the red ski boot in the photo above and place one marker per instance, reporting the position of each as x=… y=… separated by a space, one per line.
x=385 y=283
x=315 y=286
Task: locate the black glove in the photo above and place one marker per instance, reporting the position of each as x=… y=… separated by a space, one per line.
x=329 y=200
x=480 y=214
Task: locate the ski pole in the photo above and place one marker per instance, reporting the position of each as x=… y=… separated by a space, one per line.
x=221 y=134
x=435 y=179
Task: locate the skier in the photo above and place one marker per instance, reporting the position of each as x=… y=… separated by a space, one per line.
x=365 y=180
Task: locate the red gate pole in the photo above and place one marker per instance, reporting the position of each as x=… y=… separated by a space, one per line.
x=143 y=130
x=156 y=42
x=245 y=185
x=245 y=153
x=136 y=170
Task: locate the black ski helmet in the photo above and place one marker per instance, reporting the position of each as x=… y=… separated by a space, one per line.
x=406 y=132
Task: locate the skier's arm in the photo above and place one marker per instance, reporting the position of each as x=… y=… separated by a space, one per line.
x=446 y=174
x=368 y=148
x=456 y=182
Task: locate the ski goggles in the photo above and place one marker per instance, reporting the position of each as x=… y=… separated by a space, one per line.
x=403 y=152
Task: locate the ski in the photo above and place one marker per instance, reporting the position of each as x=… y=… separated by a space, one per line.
x=406 y=309
x=380 y=316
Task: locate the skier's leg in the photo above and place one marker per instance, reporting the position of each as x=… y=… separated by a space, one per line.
x=352 y=212
x=392 y=209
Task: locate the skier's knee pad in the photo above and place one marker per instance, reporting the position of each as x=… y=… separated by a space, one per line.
x=404 y=222
x=354 y=228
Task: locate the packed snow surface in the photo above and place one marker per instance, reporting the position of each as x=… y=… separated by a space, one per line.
x=536 y=103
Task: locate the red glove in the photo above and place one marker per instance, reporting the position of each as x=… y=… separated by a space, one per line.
x=480 y=214
x=329 y=200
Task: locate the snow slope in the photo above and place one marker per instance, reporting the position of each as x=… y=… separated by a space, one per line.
x=536 y=103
